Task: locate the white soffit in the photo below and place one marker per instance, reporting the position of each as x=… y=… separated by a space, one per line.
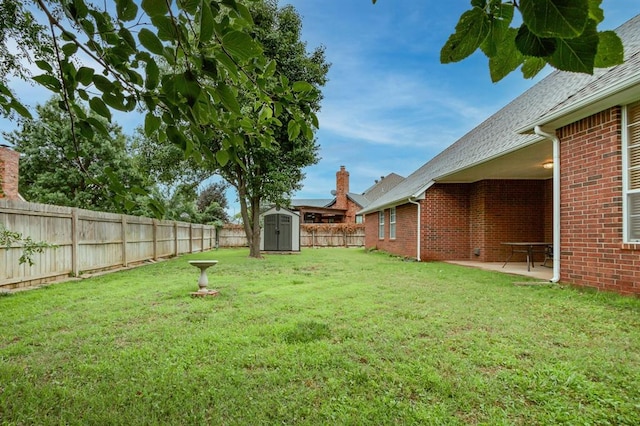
x=524 y=163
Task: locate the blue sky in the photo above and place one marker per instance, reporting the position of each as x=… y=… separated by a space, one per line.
x=389 y=105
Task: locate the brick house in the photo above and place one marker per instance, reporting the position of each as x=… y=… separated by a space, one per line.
x=343 y=208
x=560 y=163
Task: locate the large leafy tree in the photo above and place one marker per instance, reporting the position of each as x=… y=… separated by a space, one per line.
x=269 y=173
x=212 y=203
x=18 y=28
x=183 y=202
x=165 y=163
x=110 y=56
x=561 y=33
x=59 y=168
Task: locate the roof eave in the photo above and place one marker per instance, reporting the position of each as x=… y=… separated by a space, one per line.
x=398 y=201
x=620 y=93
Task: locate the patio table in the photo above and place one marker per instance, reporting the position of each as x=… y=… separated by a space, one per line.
x=525 y=247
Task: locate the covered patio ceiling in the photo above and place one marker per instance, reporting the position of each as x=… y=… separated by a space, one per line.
x=524 y=163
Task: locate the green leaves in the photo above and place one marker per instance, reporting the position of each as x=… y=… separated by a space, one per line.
x=610 y=50
x=127 y=10
x=240 y=45
x=100 y=107
x=228 y=98
x=207 y=22
x=555 y=18
x=532 y=45
x=562 y=33
x=507 y=59
x=150 y=41
x=155 y=7
x=8 y=102
x=152 y=73
x=195 y=66
x=471 y=31
x=577 y=54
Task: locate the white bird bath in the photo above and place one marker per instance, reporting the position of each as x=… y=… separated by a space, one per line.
x=203 y=281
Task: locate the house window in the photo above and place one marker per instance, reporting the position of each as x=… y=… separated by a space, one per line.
x=392 y=223
x=359 y=218
x=381 y=225
x=631 y=141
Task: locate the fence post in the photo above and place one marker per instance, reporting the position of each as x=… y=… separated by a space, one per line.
x=190 y=237
x=75 y=262
x=155 y=239
x=124 y=240
x=175 y=238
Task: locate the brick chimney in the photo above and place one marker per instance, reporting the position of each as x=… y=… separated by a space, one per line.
x=342 y=188
x=9 y=173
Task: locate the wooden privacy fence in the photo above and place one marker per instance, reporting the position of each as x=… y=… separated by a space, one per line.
x=332 y=235
x=90 y=241
x=232 y=236
x=311 y=235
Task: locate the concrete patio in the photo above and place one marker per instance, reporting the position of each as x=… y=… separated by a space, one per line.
x=515 y=268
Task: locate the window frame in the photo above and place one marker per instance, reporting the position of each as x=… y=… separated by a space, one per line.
x=392 y=223
x=626 y=181
x=381 y=225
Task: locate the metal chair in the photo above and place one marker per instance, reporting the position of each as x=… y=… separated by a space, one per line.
x=548 y=255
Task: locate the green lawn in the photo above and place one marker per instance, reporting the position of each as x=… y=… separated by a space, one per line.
x=330 y=336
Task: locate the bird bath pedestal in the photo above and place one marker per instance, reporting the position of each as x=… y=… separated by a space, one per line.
x=203 y=281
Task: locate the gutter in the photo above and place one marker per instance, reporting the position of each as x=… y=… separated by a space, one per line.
x=556 y=199
x=412 y=201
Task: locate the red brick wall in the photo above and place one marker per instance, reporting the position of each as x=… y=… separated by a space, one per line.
x=592 y=249
x=508 y=210
x=458 y=218
x=405 y=243
x=9 y=161
x=371 y=230
x=352 y=209
x=445 y=222
x=548 y=210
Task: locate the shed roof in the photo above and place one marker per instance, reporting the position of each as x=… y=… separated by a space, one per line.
x=559 y=95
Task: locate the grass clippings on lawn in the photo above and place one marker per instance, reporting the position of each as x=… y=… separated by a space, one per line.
x=332 y=336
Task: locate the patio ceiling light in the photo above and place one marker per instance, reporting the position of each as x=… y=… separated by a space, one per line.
x=548 y=165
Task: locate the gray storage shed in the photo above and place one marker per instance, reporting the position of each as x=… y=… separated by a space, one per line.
x=280 y=230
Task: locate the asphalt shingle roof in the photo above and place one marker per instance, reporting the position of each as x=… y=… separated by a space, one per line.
x=312 y=202
x=496 y=136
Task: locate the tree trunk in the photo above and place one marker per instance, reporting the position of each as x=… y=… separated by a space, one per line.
x=254 y=244
x=250 y=219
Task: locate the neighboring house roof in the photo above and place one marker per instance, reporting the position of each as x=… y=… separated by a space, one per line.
x=359 y=199
x=356 y=198
x=381 y=187
x=556 y=96
x=312 y=202
x=363 y=200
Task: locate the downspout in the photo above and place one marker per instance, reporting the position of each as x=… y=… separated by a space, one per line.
x=556 y=200
x=418 y=230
